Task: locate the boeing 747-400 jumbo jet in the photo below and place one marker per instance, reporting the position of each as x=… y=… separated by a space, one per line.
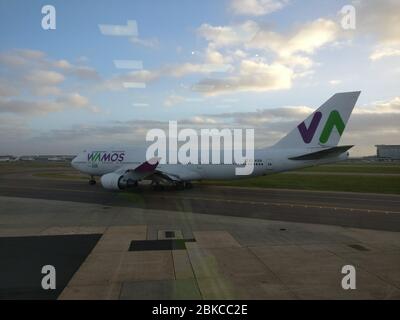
x=312 y=142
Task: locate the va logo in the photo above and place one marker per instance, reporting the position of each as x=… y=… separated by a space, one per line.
x=334 y=120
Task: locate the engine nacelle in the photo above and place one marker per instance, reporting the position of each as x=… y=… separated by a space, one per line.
x=113 y=181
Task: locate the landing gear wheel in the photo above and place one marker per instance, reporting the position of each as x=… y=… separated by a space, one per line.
x=130 y=183
x=133 y=185
x=179 y=185
x=188 y=185
x=92 y=182
x=157 y=186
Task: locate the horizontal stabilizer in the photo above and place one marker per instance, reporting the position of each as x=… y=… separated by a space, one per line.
x=326 y=153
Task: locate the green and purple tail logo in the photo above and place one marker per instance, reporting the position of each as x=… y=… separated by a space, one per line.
x=334 y=120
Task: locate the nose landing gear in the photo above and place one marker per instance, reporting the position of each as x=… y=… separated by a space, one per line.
x=188 y=185
x=92 y=181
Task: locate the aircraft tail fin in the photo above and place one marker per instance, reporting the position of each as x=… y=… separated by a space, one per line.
x=325 y=126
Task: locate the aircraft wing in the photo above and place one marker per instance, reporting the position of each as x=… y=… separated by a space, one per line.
x=152 y=170
x=175 y=173
x=166 y=176
x=146 y=168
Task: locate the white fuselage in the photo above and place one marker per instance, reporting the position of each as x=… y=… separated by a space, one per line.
x=266 y=161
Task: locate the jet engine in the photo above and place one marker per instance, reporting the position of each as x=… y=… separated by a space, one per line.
x=114 y=181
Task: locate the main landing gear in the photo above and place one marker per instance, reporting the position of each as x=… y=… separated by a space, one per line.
x=178 y=185
x=188 y=185
x=157 y=186
x=183 y=185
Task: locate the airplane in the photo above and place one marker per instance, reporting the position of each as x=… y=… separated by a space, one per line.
x=313 y=142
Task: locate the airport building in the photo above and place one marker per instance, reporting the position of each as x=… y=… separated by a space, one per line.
x=46 y=158
x=7 y=158
x=390 y=152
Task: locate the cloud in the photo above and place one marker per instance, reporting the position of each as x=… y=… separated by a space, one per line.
x=228 y=52
x=215 y=57
x=81 y=72
x=253 y=76
x=287 y=56
x=175 y=71
x=173 y=100
x=202 y=120
x=306 y=39
x=256 y=7
x=390 y=106
x=39 y=107
x=7 y=89
x=21 y=61
x=335 y=82
x=371 y=124
x=383 y=52
x=74 y=100
x=20 y=57
x=380 y=20
x=190 y=68
x=44 y=77
x=33 y=84
x=19 y=106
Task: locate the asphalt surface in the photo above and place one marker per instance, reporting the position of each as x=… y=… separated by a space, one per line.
x=371 y=211
x=204 y=243
x=22 y=259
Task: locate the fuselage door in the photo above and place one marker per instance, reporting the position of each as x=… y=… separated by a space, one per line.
x=269 y=164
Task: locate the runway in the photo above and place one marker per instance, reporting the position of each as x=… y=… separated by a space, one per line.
x=371 y=211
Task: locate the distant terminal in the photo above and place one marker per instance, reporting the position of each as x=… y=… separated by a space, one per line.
x=59 y=158
x=7 y=158
x=388 y=152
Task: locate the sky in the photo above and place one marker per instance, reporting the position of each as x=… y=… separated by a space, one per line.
x=112 y=70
